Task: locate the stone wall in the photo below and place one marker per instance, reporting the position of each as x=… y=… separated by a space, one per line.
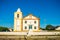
x=20 y=36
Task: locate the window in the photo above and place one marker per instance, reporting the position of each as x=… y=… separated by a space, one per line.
x=30 y=26
x=25 y=27
x=35 y=22
x=25 y=21
x=34 y=27
x=17 y=15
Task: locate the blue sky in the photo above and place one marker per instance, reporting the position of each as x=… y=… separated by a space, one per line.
x=47 y=10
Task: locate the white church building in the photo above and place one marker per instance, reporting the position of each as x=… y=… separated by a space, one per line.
x=24 y=24
x=28 y=25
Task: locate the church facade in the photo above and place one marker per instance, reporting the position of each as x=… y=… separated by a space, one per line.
x=24 y=24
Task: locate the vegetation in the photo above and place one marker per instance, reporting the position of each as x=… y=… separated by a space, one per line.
x=57 y=26
x=50 y=27
x=3 y=29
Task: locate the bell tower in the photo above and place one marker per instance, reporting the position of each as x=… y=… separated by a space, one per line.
x=18 y=20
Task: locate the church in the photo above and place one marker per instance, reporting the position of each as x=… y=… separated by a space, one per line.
x=24 y=24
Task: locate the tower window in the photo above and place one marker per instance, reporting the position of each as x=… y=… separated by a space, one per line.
x=35 y=22
x=17 y=15
x=25 y=21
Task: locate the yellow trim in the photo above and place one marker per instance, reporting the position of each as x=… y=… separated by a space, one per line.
x=31 y=16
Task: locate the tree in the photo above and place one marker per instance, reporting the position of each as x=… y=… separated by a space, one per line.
x=57 y=26
x=50 y=27
x=3 y=28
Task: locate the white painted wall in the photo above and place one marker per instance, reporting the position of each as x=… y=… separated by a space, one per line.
x=30 y=22
x=17 y=22
x=18 y=25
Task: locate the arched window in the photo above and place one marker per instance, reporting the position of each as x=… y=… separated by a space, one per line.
x=34 y=27
x=25 y=27
x=35 y=22
x=25 y=21
x=17 y=15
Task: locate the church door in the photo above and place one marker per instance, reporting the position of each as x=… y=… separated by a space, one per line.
x=30 y=27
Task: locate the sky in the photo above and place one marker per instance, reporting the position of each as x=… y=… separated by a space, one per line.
x=47 y=10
